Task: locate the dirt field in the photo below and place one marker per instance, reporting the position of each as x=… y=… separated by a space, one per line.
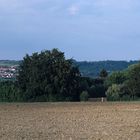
x=70 y=121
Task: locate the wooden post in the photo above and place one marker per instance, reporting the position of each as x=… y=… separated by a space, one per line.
x=102 y=99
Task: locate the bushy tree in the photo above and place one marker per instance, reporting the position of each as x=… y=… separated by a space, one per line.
x=94 y=87
x=48 y=76
x=113 y=92
x=9 y=92
x=133 y=82
x=116 y=78
x=103 y=73
x=84 y=96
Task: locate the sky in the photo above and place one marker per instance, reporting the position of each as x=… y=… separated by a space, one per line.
x=90 y=30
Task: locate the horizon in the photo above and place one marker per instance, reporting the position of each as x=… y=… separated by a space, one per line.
x=85 y=30
x=78 y=61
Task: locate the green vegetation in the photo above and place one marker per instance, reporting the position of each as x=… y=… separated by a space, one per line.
x=84 y=96
x=103 y=73
x=124 y=85
x=7 y=79
x=113 y=93
x=87 y=69
x=49 y=77
x=9 y=62
x=9 y=92
x=93 y=69
x=116 y=78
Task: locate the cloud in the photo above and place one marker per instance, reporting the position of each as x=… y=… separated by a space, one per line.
x=73 y=10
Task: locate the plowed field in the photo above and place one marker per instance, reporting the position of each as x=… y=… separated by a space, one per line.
x=70 y=121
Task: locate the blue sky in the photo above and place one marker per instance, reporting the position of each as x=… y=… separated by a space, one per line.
x=84 y=29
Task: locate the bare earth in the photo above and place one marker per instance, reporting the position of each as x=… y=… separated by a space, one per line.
x=70 y=121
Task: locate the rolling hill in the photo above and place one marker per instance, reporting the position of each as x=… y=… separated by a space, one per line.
x=92 y=69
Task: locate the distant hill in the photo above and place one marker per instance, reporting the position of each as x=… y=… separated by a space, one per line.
x=9 y=62
x=92 y=69
x=88 y=69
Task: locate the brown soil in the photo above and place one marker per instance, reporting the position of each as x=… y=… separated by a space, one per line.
x=70 y=121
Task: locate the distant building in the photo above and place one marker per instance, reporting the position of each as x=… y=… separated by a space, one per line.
x=8 y=72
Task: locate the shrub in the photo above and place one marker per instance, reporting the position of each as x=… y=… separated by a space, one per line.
x=9 y=92
x=113 y=92
x=126 y=98
x=84 y=96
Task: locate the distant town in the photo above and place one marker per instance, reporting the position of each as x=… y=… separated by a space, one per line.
x=8 y=72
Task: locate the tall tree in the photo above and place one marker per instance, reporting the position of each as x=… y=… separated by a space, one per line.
x=48 y=76
x=133 y=83
x=116 y=78
x=103 y=73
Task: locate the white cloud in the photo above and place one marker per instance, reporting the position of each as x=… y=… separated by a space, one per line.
x=73 y=10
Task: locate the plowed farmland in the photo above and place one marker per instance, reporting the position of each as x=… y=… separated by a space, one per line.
x=70 y=121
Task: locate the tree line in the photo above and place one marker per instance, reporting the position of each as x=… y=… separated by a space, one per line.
x=87 y=69
x=48 y=76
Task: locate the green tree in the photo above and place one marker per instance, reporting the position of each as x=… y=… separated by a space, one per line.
x=48 y=76
x=84 y=96
x=9 y=92
x=116 y=78
x=103 y=73
x=133 y=82
x=113 y=92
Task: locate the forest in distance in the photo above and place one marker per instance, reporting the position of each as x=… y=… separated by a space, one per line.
x=48 y=76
